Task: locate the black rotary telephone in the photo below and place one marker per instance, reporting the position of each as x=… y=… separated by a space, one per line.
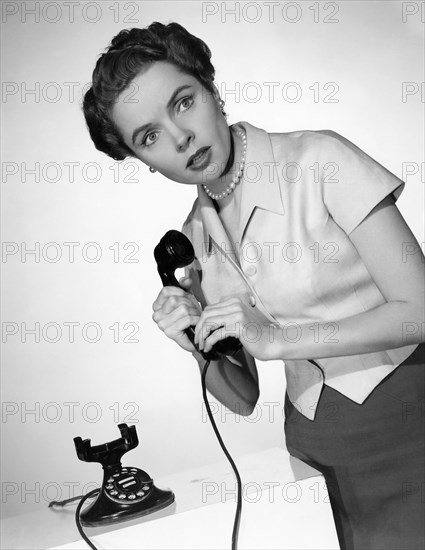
x=174 y=251
x=126 y=492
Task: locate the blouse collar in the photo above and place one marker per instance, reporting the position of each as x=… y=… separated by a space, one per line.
x=259 y=187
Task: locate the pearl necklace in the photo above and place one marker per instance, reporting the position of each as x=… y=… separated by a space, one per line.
x=236 y=177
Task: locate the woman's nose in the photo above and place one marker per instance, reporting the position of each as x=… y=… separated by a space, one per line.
x=184 y=137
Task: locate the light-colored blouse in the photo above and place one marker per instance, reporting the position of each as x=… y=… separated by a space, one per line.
x=301 y=196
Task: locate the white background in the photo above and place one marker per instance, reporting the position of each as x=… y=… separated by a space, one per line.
x=363 y=51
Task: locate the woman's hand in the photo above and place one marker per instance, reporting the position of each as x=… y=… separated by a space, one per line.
x=234 y=317
x=175 y=310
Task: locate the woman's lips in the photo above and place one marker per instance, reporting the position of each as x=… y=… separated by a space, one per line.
x=200 y=161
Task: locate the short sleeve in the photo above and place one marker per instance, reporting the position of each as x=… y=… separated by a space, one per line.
x=353 y=183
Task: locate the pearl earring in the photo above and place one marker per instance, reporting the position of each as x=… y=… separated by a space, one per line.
x=152 y=170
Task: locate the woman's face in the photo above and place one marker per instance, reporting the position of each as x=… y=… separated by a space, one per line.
x=166 y=116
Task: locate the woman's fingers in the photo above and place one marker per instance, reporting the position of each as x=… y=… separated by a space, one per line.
x=175 y=323
x=227 y=314
x=178 y=320
x=165 y=293
x=222 y=328
x=186 y=282
x=174 y=311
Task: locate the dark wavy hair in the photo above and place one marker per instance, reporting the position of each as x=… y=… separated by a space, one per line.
x=131 y=51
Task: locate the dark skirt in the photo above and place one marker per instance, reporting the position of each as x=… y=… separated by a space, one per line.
x=372 y=458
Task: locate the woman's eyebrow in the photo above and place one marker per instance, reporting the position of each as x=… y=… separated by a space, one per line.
x=142 y=128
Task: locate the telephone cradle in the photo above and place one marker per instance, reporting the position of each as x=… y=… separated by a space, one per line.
x=126 y=492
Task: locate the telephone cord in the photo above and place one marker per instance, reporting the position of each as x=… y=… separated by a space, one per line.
x=82 y=499
x=77 y=518
x=235 y=470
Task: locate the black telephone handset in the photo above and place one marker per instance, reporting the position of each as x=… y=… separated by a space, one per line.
x=126 y=492
x=174 y=251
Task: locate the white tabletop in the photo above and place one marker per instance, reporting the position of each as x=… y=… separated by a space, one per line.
x=284 y=505
x=269 y=521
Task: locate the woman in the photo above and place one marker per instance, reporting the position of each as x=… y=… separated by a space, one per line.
x=302 y=254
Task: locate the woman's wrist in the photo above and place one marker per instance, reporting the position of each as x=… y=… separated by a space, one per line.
x=198 y=356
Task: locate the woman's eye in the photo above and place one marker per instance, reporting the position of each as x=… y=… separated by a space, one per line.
x=186 y=103
x=146 y=141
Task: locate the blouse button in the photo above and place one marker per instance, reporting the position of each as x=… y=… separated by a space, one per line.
x=251 y=270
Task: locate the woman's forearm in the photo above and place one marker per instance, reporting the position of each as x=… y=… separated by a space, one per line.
x=388 y=326
x=231 y=384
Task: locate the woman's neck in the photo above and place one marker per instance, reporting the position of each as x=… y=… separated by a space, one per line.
x=226 y=177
